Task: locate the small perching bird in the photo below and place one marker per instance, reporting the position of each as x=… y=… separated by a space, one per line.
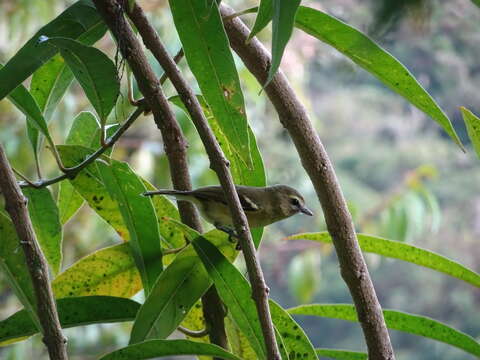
x=262 y=205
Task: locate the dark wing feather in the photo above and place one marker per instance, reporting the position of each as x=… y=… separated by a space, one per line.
x=215 y=193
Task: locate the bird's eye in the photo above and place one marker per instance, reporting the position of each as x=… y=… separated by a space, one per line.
x=294 y=202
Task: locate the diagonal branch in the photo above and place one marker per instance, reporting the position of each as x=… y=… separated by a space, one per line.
x=316 y=162
x=16 y=206
x=220 y=165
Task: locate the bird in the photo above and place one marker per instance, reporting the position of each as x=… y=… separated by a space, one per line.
x=262 y=205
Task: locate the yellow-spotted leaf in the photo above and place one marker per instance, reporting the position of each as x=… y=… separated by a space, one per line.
x=397 y=320
x=405 y=252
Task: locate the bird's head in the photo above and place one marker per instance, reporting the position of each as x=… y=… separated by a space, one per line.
x=290 y=201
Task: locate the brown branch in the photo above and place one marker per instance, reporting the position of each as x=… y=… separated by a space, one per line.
x=316 y=162
x=220 y=165
x=16 y=206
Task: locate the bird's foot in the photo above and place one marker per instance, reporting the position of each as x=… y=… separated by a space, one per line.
x=232 y=235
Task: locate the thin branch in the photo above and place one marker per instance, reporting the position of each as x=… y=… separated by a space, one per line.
x=16 y=206
x=220 y=165
x=193 y=333
x=316 y=162
x=72 y=172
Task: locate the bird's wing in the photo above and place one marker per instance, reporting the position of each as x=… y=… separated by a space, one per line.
x=215 y=194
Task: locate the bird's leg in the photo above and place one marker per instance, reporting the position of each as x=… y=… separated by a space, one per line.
x=232 y=235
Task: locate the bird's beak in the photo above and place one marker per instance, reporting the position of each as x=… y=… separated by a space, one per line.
x=306 y=211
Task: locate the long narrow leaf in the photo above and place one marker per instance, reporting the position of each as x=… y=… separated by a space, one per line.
x=264 y=16
x=159 y=348
x=234 y=291
x=208 y=54
x=79 y=19
x=342 y=354
x=177 y=289
x=282 y=25
x=413 y=324
x=138 y=213
x=370 y=56
x=294 y=340
x=72 y=312
x=405 y=252
x=472 y=123
x=14 y=267
x=46 y=223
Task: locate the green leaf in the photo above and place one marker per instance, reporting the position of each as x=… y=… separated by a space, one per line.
x=242 y=174
x=14 y=267
x=472 y=123
x=48 y=85
x=234 y=291
x=82 y=132
x=139 y=216
x=397 y=320
x=296 y=342
x=95 y=72
x=303 y=275
x=177 y=289
x=110 y=271
x=72 y=312
x=282 y=25
x=76 y=22
x=24 y=101
x=264 y=16
x=370 y=56
x=46 y=223
x=342 y=354
x=405 y=252
x=156 y=348
x=51 y=81
x=208 y=54
x=89 y=185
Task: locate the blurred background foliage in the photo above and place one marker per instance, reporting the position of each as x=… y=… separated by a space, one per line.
x=402 y=177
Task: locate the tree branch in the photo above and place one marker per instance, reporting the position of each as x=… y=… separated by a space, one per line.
x=220 y=165
x=316 y=162
x=16 y=206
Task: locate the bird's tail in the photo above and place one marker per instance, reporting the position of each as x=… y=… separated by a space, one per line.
x=166 y=192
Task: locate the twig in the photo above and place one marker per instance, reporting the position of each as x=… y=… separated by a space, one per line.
x=220 y=165
x=73 y=171
x=193 y=333
x=316 y=162
x=36 y=263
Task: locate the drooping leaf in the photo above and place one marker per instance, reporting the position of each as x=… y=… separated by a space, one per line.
x=14 y=267
x=177 y=289
x=109 y=271
x=89 y=185
x=242 y=174
x=282 y=25
x=72 y=312
x=472 y=123
x=370 y=56
x=77 y=22
x=397 y=320
x=405 y=252
x=264 y=16
x=208 y=54
x=51 y=81
x=159 y=348
x=238 y=342
x=296 y=342
x=25 y=102
x=342 y=354
x=95 y=72
x=46 y=223
x=139 y=216
x=234 y=291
